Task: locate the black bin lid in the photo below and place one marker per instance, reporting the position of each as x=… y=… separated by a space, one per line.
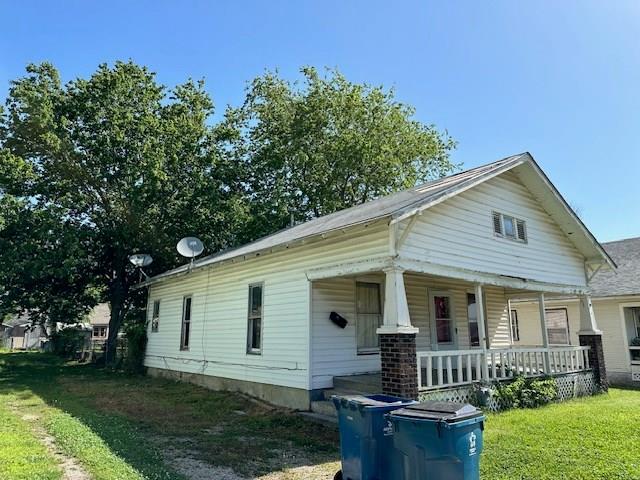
x=440 y=411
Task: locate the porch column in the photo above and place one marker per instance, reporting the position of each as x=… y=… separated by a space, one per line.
x=482 y=330
x=591 y=336
x=545 y=333
x=399 y=367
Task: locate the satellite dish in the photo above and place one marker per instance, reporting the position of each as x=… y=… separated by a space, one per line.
x=141 y=259
x=190 y=247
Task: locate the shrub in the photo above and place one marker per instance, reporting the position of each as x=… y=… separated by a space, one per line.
x=67 y=341
x=527 y=392
x=635 y=342
x=136 y=336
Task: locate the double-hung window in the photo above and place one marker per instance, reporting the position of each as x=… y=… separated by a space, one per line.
x=254 y=319
x=186 y=323
x=515 y=328
x=557 y=322
x=155 y=318
x=507 y=226
x=368 y=316
x=472 y=315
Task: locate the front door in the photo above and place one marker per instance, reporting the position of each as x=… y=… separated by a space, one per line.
x=443 y=328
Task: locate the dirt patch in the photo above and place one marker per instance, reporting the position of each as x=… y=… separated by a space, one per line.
x=185 y=463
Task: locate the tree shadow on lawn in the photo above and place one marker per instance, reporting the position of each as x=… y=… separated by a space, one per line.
x=131 y=412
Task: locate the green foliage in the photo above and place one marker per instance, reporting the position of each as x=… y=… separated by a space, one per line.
x=67 y=341
x=526 y=392
x=635 y=342
x=102 y=167
x=135 y=330
x=323 y=144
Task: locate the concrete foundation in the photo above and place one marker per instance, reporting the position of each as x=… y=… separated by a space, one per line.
x=289 y=397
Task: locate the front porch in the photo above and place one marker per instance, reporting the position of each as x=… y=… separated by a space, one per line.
x=440 y=332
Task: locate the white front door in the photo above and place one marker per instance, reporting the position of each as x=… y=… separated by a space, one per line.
x=443 y=325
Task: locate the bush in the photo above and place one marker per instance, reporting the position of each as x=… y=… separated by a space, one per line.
x=527 y=392
x=635 y=342
x=136 y=336
x=67 y=341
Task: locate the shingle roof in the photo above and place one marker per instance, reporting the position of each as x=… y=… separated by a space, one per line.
x=626 y=279
x=394 y=205
x=386 y=206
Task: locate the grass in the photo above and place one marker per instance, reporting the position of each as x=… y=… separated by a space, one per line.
x=22 y=455
x=117 y=427
x=589 y=438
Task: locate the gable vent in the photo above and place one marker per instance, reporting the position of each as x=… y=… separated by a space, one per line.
x=497 y=223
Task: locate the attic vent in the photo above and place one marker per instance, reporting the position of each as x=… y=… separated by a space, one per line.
x=506 y=226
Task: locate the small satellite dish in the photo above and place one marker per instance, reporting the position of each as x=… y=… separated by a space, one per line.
x=190 y=247
x=141 y=259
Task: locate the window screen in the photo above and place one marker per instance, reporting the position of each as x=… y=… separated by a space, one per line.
x=557 y=322
x=368 y=316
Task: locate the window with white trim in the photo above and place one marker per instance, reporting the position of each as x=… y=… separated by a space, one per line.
x=254 y=319
x=557 y=321
x=515 y=328
x=155 y=318
x=185 y=333
x=368 y=316
x=507 y=226
x=472 y=315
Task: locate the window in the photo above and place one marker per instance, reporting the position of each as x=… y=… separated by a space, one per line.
x=99 y=332
x=368 y=316
x=515 y=328
x=635 y=311
x=443 y=318
x=186 y=323
x=506 y=226
x=155 y=319
x=557 y=322
x=472 y=315
x=254 y=330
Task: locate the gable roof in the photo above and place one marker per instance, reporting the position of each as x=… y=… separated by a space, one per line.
x=403 y=204
x=626 y=279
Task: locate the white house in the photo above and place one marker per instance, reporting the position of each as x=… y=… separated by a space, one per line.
x=420 y=280
x=616 y=303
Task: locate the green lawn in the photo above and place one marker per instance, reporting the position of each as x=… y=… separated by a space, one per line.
x=122 y=427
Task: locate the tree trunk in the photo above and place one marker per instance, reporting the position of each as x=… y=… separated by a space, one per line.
x=118 y=294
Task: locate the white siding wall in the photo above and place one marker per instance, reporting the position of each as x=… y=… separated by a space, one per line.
x=459 y=233
x=608 y=317
x=529 y=321
x=219 y=312
x=334 y=349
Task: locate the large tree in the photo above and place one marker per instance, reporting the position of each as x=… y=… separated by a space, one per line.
x=123 y=165
x=325 y=143
x=97 y=169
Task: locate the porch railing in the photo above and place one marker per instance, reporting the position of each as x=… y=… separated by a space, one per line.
x=439 y=369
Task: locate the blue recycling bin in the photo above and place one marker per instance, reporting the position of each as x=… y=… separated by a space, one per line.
x=437 y=440
x=366 y=436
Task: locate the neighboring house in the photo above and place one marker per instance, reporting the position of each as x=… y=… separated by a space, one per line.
x=411 y=291
x=616 y=303
x=99 y=320
x=20 y=334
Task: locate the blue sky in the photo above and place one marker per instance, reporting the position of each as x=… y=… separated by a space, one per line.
x=557 y=78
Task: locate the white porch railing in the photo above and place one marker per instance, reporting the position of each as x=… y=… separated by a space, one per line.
x=440 y=369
